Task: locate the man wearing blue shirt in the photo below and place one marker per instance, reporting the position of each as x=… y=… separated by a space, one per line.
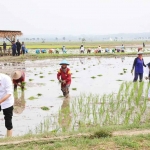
x=14 y=47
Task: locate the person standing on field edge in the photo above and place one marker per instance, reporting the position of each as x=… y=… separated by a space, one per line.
x=14 y=47
x=4 y=47
x=18 y=47
x=138 y=65
x=23 y=48
x=64 y=77
x=6 y=101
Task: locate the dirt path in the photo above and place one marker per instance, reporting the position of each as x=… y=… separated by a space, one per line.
x=52 y=139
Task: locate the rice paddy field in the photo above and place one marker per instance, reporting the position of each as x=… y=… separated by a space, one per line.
x=101 y=94
x=102 y=98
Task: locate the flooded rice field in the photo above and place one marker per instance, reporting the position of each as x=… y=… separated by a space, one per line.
x=89 y=76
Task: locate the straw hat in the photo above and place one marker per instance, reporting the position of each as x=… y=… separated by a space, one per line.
x=16 y=75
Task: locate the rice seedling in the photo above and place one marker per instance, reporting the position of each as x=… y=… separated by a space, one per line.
x=44 y=108
x=39 y=94
x=52 y=80
x=119 y=80
x=32 y=98
x=73 y=77
x=99 y=75
x=84 y=68
x=77 y=71
x=30 y=79
x=93 y=77
x=41 y=73
x=35 y=74
x=121 y=73
x=41 y=76
x=74 y=89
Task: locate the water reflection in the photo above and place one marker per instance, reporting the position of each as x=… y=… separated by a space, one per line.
x=65 y=115
x=19 y=103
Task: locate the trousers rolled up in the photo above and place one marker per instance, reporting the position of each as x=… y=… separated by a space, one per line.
x=65 y=89
x=8 y=113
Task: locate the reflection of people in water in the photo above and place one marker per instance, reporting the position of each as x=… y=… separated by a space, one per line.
x=19 y=104
x=64 y=115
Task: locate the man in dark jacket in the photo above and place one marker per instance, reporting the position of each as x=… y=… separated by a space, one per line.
x=14 y=47
x=18 y=44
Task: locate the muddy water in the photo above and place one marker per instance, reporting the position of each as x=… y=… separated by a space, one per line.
x=28 y=113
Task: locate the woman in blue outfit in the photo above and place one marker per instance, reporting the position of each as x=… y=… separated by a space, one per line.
x=138 y=65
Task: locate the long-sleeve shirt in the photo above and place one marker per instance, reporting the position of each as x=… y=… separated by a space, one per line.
x=20 y=80
x=6 y=88
x=18 y=45
x=138 y=65
x=14 y=46
x=64 y=75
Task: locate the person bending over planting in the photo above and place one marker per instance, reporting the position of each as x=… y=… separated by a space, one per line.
x=18 y=79
x=64 y=77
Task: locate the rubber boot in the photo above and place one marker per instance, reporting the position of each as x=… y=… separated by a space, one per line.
x=9 y=133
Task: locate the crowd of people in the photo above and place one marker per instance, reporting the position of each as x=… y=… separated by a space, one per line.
x=17 y=48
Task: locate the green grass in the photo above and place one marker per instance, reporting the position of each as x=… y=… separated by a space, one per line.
x=75 y=45
x=74 y=89
x=45 y=108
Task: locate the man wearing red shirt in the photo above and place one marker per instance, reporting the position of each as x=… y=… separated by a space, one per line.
x=18 y=79
x=64 y=76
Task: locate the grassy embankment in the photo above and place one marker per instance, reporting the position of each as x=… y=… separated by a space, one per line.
x=76 y=45
x=96 y=118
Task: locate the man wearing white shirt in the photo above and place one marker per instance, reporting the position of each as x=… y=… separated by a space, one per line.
x=6 y=101
x=147 y=76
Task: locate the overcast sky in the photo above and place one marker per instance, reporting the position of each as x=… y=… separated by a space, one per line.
x=63 y=17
